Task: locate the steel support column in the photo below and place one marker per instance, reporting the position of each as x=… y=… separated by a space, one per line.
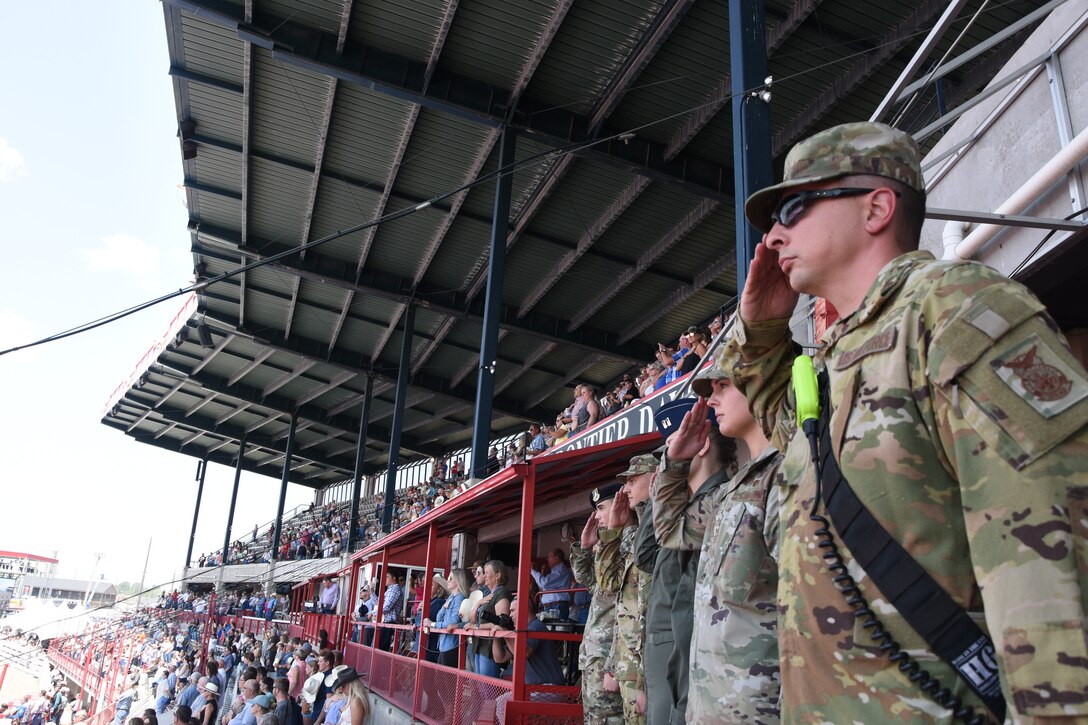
x=233 y=498
x=489 y=340
x=398 y=416
x=525 y=559
x=428 y=582
x=751 y=120
x=201 y=469
x=288 y=455
x=378 y=617
x=360 y=459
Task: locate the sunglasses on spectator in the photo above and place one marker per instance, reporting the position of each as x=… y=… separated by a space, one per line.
x=793 y=206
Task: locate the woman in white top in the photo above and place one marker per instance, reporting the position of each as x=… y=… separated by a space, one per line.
x=345 y=680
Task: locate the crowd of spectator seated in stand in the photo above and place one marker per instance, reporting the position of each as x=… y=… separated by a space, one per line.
x=322 y=532
x=671 y=363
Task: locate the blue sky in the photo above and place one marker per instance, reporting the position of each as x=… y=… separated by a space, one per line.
x=92 y=220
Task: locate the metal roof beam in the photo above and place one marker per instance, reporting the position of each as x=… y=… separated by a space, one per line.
x=346 y=464
x=303 y=425
x=661 y=247
x=720 y=96
x=546 y=390
x=213 y=190
x=222 y=459
x=285 y=406
x=665 y=22
x=398 y=77
x=681 y=295
x=442 y=207
x=316 y=352
x=380 y=323
x=205 y=426
x=215 y=351
x=231 y=413
x=559 y=12
x=204 y=80
x=250 y=367
x=670 y=15
x=858 y=73
x=336 y=273
x=592 y=233
x=441 y=414
x=288 y=376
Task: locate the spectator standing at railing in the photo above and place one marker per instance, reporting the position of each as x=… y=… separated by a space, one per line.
x=392 y=605
x=496 y=603
x=440 y=590
x=537 y=444
x=448 y=618
x=330 y=596
x=557 y=575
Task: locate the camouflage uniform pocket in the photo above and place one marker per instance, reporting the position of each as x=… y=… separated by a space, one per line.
x=1042 y=685
x=1028 y=390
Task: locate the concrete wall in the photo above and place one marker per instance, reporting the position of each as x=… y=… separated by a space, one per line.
x=1021 y=139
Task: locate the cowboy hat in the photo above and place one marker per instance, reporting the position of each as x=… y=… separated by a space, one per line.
x=470 y=600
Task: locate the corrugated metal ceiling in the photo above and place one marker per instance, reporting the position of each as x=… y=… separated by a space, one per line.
x=337 y=96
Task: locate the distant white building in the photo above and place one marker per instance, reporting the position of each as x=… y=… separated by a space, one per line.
x=15 y=563
x=56 y=590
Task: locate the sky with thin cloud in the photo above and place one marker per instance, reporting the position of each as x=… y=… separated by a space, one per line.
x=91 y=222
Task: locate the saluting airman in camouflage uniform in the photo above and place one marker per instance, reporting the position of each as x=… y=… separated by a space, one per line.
x=599 y=707
x=958 y=416
x=733 y=670
x=630 y=584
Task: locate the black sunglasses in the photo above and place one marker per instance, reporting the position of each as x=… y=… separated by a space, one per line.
x=791 y=207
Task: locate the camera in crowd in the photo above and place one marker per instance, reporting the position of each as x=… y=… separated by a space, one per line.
x=500 y=620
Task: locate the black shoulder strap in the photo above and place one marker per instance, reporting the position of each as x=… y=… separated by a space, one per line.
x=922 y=602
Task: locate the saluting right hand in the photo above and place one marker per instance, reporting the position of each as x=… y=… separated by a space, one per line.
x=691 y=437
x=767 y=293
x=589 y=533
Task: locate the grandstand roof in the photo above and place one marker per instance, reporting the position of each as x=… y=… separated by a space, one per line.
x=49 y=582
x=31 y=557
x=289 y=571
x=300 y=119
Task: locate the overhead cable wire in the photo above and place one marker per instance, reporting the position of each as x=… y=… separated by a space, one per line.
x=401 y=213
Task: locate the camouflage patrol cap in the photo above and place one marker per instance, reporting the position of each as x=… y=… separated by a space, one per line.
x=603 y=493
x=852 y=148
x=701 y=385
x=645 y=463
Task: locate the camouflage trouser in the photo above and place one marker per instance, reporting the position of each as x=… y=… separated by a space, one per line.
x=600 y=707
x=629 y=695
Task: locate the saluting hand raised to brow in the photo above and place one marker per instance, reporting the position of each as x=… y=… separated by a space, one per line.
x=690 y=438
x=620 y=513
x=767 y=293
x=589 y=533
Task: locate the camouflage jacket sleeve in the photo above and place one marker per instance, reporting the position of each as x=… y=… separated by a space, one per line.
x=758 y=357
x=1011 y=405
x=625 y=658
x=610 y=563
x=677 y=523
x=581 y=563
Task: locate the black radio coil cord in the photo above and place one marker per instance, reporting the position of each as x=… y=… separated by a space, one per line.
x=857 y=602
